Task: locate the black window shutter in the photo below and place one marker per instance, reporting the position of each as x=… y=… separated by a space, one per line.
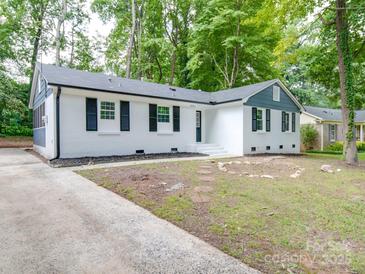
x=254 y=119
x=176 y=118
x=124 y=116
x=283 y=121
x=268 y=120
x=153 y=117
x=91 y=114
x=293 y=122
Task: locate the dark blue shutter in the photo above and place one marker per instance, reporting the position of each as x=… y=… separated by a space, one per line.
x=293 y=122
x=176 y=118
x=153 y=117
x=254 y=119
x=283 y=121
x=91 y=114
x=268 y=120
x=124 y=116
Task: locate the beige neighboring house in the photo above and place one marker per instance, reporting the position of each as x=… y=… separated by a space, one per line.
x=328 y=123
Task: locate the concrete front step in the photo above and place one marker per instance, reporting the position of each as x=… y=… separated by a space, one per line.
x=209 y=149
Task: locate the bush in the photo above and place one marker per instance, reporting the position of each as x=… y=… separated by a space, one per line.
x=309 y=136
x=338 y=146
x=16 y=131
x=360 y=146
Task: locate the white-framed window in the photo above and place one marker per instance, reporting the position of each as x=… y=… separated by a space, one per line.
x=285 y=121
x=260 y=119
x=332 y=132
x=107 y=110
x=163 y=114
x=276 y=93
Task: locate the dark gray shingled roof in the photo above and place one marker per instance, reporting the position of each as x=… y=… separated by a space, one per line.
x=98 y=81
x=330 y=114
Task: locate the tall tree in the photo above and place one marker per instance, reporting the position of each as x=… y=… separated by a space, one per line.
x=346 y=81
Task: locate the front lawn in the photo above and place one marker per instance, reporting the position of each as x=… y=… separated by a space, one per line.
x=334 y=155
x=309 y=222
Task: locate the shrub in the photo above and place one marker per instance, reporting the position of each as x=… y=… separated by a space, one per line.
x=360 y=146
x=309 y=136
x=17 y=131
x=337 y=146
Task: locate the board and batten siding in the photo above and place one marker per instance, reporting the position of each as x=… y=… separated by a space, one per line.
x=275 y=140
x=264 y=99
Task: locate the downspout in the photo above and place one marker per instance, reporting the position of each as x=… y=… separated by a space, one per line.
x=57 y=124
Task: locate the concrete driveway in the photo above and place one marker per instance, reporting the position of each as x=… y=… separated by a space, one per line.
x=54 y=221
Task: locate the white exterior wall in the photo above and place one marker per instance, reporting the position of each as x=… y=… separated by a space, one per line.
x=274 y=138
x=306 y=119
x=75 y=141
x=49 y=150
x=224 y=127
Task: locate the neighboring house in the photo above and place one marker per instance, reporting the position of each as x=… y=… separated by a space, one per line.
x=79 y=114
x=328 y=123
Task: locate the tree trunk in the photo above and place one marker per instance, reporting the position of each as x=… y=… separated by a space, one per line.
x=131 y=40
x=346 y=89
x=140 y=32
x=36 y=43
x=173 y=64
x=61 y=19
x=72 y=52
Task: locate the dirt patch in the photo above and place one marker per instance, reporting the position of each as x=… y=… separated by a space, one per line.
x=264 y=221
x=16 y=142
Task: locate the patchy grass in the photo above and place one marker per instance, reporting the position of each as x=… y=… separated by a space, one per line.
x=16 y=141
x=332 y=155
x=313 y=223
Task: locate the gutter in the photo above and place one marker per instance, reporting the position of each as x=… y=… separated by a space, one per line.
x=57 y=123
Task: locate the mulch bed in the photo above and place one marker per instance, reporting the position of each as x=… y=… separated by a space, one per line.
x=70 y=162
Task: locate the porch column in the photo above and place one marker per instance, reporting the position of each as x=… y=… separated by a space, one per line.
x=322 y=137
x=361 y=133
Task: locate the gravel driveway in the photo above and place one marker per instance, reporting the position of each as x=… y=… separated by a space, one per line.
x=54 y=221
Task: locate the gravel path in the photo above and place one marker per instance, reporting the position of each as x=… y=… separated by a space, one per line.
x=54 y=221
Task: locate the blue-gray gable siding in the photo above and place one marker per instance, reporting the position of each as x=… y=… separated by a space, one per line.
x=41 y=96
x=39 y=136
x=264 y=99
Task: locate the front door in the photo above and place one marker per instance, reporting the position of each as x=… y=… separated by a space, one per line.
x=198 y=126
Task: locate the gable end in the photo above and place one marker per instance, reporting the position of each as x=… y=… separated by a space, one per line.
x=265 y=99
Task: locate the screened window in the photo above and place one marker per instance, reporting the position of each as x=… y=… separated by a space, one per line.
x=107 y=110
x=259 y=118
x=163 y=114
x=38 y=116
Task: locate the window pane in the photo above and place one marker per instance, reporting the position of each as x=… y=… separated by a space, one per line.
x=259 y=119
x=163 y=114
x=107 y=110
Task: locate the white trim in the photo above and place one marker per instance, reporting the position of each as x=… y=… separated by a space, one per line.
x=290 y=95
x=34 y=84
x=322 y=141
x=316 y=117
x=361 y=133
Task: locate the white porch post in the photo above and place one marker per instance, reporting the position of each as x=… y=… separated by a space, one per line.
x=361 y=133
x=322 y=137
